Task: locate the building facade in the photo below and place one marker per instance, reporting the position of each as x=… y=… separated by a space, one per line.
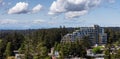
x=96 y=34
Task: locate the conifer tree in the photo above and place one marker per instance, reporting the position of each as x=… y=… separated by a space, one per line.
x=8 y=50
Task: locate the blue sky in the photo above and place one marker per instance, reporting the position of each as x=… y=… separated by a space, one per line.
x=34 y=14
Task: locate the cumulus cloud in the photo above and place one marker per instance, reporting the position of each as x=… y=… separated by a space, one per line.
x=57 y=7
x=22 y=8
x=75 y=13
x=37 y=8
x=73 y=8
x=8 y=21
x=19 y=8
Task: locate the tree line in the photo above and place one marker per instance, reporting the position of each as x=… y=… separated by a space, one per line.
x=29 y=41
x=38 y=43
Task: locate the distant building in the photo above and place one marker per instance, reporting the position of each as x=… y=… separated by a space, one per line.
x=54 y=54
x=18 y=55
x=96 y=35
x=95 y=56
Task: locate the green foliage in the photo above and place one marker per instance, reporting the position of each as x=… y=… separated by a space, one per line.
x=113 y=39
x=8 y=50
x=0 y=41
x=1 y=46
x=72 y=49
x=113 y=34
x=39 y=42
x=33 y=49
x=85 y=42
x=22 y=48
x=47 y=57
x=35 y=57
x=118 y=54
x=97 y=50
x=114 y=55
x=26 y=41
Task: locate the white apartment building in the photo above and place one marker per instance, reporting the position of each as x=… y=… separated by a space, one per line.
x=96 y=34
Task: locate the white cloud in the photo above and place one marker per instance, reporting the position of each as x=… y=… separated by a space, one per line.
x=52 y=23
x=21 y=22
x=38 y=21
x=57 y=7
x=19 y=8
x=22 y=8
x=72 y=8
x=37 y=8
x=8 y=21
x=75 y=14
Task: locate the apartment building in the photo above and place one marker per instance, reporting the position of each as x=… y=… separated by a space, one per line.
x=96 y=34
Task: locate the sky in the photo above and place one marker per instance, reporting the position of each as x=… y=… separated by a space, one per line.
x=35 y=14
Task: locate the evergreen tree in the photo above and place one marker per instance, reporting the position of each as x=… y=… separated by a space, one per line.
x=8 y=50
x=1 y=47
